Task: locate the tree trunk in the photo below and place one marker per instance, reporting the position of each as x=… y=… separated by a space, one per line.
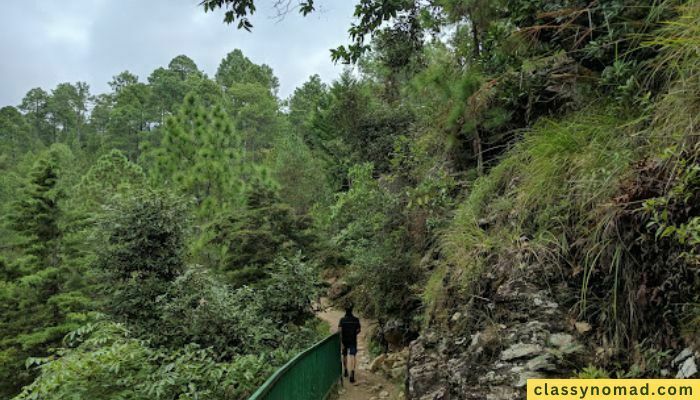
x=475 y=36
x=477 y=152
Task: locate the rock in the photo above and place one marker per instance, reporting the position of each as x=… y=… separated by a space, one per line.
x=524 y=376
x=404 y=353
x=383 y=394
x=572 y=348
x=430 y=338
x=561 y=340
x=541 y=363
x=583 y=327
x=338 y=289
x=425 y=378
x=397 y=373
x=520 y=350
x=456 y=316
x=475 y=339
x=492 y=378
x=688 y=369
x=377 y=363
x=440 y=394
x=502 y=393
x=393 y=332
x=682 y=356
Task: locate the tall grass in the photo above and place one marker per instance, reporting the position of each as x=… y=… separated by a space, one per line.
x=561 y=185
x=678 y=112
x=561 y=168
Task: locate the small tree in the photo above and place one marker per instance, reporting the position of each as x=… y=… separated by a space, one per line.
x=143 y=252
x=41 y=296
x=253 y=238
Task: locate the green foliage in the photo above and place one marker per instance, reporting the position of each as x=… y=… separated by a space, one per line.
x=306 y=101
x=142 y=252
x=302 y=175
x=124 y=114
x=16 y=136
x=562 y=169
x=88 y=226
x=240 y=9
x=477 y=139
x=36 y=106
x=252 y=238
x=170 y=85
x=236 y=69
x=592 y=372
x=292 y=288
x=200 y=156
x=681 y=195
x=363 y=126
x=197 y=308
x=145 y=238
x=108 y=362
x=365 y=223
x=111 y=174
x=37 y=213
x=42 y=296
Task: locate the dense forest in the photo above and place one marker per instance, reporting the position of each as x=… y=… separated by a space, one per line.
x=510 y=188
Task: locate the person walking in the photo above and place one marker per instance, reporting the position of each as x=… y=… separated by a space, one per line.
x=349 y=327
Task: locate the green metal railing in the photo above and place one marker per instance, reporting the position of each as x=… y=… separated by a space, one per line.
x=309 y=376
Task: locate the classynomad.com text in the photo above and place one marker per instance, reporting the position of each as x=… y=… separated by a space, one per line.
x=613 y=389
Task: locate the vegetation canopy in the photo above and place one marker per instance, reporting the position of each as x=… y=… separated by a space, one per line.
x=511 y=180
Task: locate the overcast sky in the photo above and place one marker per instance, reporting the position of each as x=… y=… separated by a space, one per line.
x=45 y=42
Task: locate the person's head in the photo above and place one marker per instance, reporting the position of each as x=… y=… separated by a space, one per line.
x=348 y=309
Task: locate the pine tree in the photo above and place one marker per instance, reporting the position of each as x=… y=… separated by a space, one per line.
x=39 y=293
x=111 y=177
x=254 y=237
x=200 y=157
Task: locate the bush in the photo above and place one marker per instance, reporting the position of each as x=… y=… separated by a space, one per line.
x=108 y=363
x=197 y=308
x=143 y=252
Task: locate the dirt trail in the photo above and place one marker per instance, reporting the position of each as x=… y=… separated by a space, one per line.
x=368 y=385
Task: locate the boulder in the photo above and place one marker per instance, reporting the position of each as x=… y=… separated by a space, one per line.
x=583 y=327
x=541 y=363
x=425 y=378
x=688 y=369
x=377 y=363
x=439 y=394
x=524 y=376
x=503 y=393
x=520 y=350
x=397 y=372
x=561 y=340
x=682 y=356
x=393 y=332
